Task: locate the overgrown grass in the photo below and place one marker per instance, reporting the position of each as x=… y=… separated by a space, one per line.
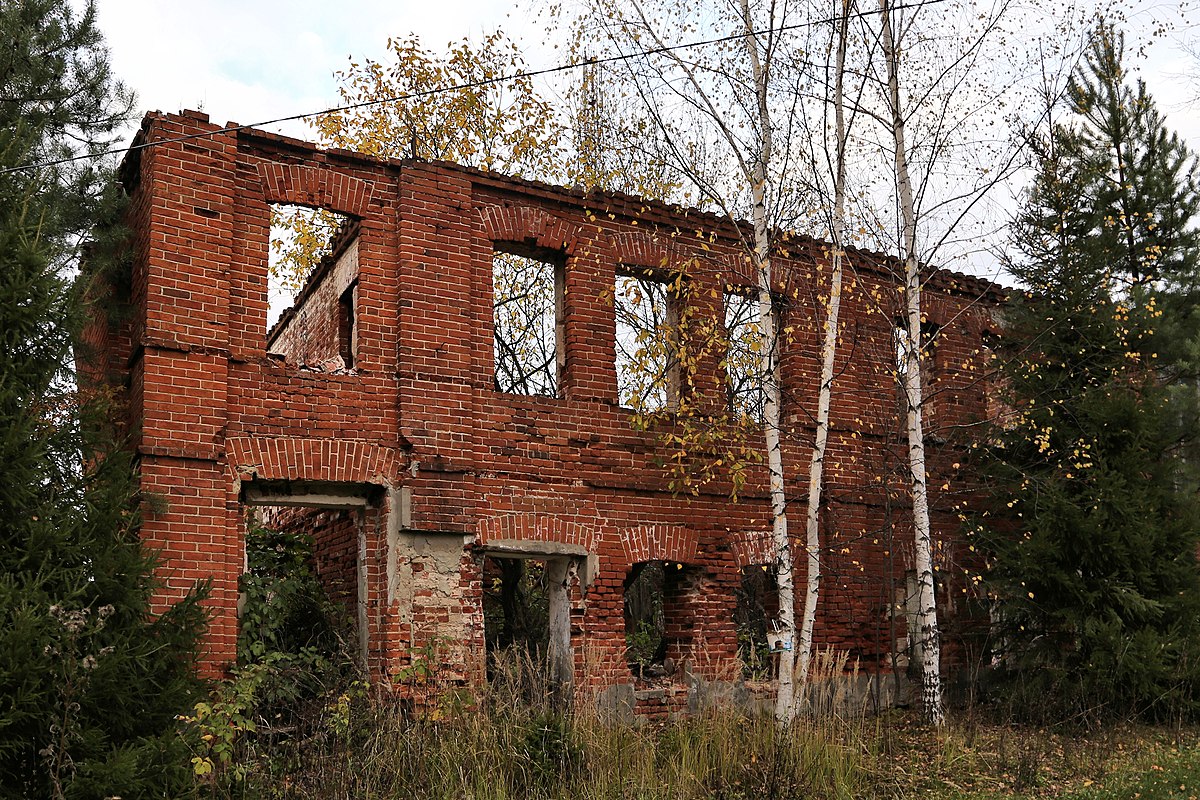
x=481 y=756
x=496 y=754
x=509 y=751
x=977 y=759
x=513 y=742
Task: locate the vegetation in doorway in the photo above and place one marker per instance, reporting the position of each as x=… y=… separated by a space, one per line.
x=287 y=621
x=516 y=612
x=295 y=678
x=645 y=622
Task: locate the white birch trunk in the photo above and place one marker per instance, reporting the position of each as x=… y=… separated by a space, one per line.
x=785 y=703
x=927 y=624
x=816 y=481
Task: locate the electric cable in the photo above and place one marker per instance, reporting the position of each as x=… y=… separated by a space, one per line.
x=454 y=88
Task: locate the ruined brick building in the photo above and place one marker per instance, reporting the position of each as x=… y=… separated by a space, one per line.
x=374 y=401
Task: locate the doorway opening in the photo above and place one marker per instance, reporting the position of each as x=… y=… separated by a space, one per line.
x=527 y=623
x=757 y=605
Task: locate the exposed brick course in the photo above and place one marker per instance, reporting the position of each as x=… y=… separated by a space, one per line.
x=447 y=463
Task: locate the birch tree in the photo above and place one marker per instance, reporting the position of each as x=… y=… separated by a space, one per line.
x=931 y=679
x=948 y=79
x=837 y=236
x=729 y=120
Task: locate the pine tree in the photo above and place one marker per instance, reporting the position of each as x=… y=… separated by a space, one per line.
x=1094 y=557
x=90 y=681
x=1142 y=182
x=1143 y=192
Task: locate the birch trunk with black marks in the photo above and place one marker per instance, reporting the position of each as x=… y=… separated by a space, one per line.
x=927 y=623
x=785 y=701
x=816 y=474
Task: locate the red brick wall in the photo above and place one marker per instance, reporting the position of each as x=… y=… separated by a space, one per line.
x=448 y=462
x=309 y=333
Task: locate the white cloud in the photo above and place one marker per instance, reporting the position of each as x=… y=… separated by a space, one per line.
x=253 y=60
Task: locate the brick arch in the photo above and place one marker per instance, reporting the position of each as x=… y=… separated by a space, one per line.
x=334 y=460
x=641 y=249
x=752 y=548
x=532 y=527
x=527 y=223
x=315 y=186
x=658 y=542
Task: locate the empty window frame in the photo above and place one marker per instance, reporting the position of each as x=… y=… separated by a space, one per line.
x=300 y=238
x=992 y=384
x=347 y=326
x=646 y=307
x=745 y=395
x=527 y=318
x=515 y=608
x=929 y=341
x=312 y=277
x=757 y=608
x=645 y=624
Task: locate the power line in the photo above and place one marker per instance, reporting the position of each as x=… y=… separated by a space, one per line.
x=458 y=87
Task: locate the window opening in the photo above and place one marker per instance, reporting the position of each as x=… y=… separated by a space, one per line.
x=647 y=333
x=312 y=274
x=994 y=386
x=929 y=332
x=645 y=625
x=347 y=326
x=527 y=317
x=757 y=606
x=743 y=355
x=660 y=600
x=515 y=607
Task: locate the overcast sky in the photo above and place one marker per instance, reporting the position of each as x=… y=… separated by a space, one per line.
x=247 y=61
x=251 y=60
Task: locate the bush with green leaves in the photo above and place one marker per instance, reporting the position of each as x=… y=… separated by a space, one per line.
x=288 y=624
x=295 y=681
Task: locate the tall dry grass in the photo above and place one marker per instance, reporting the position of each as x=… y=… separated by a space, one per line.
x=516 y=741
